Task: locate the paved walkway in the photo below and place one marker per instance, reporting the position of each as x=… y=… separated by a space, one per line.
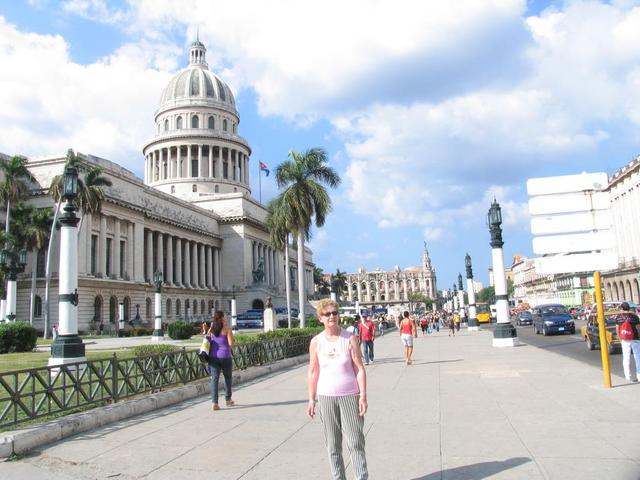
x=464 y=410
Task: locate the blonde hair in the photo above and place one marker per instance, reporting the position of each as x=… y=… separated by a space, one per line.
x=325 y=303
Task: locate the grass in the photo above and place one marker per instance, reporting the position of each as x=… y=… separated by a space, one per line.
x=24 y=360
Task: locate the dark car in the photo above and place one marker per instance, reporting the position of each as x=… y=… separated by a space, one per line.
x=524 y=318
x=250 y=319
x=552 y=318
x=591 y=333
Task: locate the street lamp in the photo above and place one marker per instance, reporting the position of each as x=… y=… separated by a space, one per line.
x=504 y=335
x=454 y=298
x=158 y=333
x=473 y=321
x=463 y=315
x=12 y=263
x=68 y=346
x=234 y=312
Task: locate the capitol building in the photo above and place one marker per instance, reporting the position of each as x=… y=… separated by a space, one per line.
x=192 y=218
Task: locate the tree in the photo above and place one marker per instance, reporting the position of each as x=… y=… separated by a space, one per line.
x=305 y=200
x=14 y=187
x=279 y=232
x=487 y=295
x=339 y=282
x=89 y=200
x=417 y=298
x=318 y=275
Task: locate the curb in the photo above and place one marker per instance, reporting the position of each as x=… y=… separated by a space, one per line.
x=23 y=441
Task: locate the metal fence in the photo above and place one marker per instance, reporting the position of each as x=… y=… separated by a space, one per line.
x=40 y=392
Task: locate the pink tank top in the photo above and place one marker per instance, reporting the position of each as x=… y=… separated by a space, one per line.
x=337 y=376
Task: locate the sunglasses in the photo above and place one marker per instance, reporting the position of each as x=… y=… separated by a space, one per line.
x=328 y=314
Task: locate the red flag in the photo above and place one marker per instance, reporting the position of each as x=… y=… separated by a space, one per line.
x=264 y=168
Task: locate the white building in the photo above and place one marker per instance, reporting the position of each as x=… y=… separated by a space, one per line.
x=192 y=218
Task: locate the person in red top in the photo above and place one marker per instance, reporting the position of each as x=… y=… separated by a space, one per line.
x=407 y=333
x=367 y=334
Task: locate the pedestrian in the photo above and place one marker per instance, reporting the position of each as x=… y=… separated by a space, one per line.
x=408 y=332
x=629 y=347
x=220 y=336
x=452 y=326
x=381 y=325
x=423 y=325
x=456 y=321
x=337 y=383
x=367 y=336
x=352 y=328
x=54 y=332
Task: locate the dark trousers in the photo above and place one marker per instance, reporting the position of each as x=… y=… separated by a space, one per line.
x=218 y=364
x=367 y=349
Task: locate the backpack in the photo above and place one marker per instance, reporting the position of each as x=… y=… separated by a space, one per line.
x=626 y=330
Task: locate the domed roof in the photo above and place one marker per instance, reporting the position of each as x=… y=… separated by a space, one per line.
x=196 y=82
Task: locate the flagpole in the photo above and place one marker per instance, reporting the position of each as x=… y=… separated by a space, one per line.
x=260 y=183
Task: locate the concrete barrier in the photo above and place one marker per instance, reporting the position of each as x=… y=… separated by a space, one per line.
x=19 y=442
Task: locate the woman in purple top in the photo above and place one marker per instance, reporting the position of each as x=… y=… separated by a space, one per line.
x=221 y=338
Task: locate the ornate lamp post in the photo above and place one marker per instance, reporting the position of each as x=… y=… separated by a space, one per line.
x=158 y=334
x=504 y=335
x=454 y=298
x=234 y=312
x=12 y=263
x=121 y=319
x=68 y=346
x=463 y=315
x=473 y=321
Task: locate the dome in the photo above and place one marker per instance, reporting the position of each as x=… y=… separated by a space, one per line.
x=196 y=83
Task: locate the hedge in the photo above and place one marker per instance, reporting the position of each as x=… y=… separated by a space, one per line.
x=180 y=330
x=17 y=337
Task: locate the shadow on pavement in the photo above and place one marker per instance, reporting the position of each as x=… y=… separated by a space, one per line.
x=475 y=471
x=438 y=361
x=268 y=404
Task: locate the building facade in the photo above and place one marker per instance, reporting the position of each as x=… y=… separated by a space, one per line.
x=192 y=218
x=394 y=287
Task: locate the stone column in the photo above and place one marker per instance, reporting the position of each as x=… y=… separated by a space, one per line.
x=189 y=164
x=138 y=252
x=201 y=269
x=116 y=248
x=200 y=162
x=129 y=250
x=149 y=269
x=179 y=161
x=179 y=277
x=102 y=264
x=209 y=266
x=194 y=264
x=168 y=278
x=160 y=253
x=211 y=172
x=187 y=263
x=217 y=271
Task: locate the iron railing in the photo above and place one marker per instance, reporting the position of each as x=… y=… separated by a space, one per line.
x=40 y=392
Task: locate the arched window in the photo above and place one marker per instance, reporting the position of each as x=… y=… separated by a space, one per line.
x=166 y=125
x=179 y=123
x=113 y=309
x=216 y=189
x=168 y=307
x=212 y=123
x=234 y=128
x=195 y=122
x=177 y=308
x=195 y=307
x=173 y=189
x=202 y=307
x=37 y=307
x=127 y=308
x=194 y=188
x=224 y=125
x=97 y=309
x=147 y=311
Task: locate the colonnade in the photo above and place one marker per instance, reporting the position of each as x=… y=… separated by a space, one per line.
x=183 y=262
x=271 y=262
x=196 y=161
x=373 y=290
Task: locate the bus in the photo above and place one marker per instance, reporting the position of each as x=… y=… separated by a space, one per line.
x=483 y=313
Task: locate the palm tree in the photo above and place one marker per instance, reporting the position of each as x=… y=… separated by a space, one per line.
x=339 y=281
x=89 y=200
x=279 y=233
x=304 y=199
x=14 y=187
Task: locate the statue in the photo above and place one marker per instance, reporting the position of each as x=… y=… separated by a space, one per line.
x=269 y=303
x=258 y=273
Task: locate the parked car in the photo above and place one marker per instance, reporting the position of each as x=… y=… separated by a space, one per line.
x=524 y=318
x=552 y=318
x=591 y=334
x=250 y=319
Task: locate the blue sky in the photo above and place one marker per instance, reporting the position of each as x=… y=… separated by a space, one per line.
x=427 y=109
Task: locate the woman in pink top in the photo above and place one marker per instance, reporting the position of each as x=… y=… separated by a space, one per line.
x=338 y=384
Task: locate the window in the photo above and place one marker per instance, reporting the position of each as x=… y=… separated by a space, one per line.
x=177 y=308
x=113 y=309
x=212 y=123
x=168 y=307
x=195 y=122
x=234 y=127
x=37 y=307
x=108 y=255
x=179 y=123
x=166 y=125
x=122 y=258
x=173 y=189
x=216 y=189
x=225 y=169
x=97 y=309
x=224 y=125
x=147 y=313
x=194 y=188
x=202 y=306
x=41 y=261
x=94 y=254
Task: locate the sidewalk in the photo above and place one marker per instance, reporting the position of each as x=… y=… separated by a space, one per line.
x=464 y=410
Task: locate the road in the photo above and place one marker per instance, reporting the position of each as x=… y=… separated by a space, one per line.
x=572 y=346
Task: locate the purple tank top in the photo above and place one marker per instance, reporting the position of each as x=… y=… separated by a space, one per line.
x=219 y=347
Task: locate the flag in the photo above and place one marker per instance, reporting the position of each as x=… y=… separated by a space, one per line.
x=264 y=167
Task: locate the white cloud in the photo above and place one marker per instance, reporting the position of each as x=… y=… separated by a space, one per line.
x=97 y=10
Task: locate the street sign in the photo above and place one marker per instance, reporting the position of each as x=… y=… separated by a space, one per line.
x=567 y=183
x=579 y=242
x=579 y=262
x=569 y=202
x=574 y=222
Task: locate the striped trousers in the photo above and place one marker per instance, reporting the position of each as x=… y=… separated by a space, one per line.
x=339 y=415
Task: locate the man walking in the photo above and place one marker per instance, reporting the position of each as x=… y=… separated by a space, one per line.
x=630 y=346
x=367 y=334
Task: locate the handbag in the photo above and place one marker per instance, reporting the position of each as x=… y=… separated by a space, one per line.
x=203 y=351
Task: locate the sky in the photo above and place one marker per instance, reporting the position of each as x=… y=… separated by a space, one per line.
x=428 y=109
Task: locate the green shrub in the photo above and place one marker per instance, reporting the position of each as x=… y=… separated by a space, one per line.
x=180 y=330
x=142 y=350
x=17 y=337
x=140 y=332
